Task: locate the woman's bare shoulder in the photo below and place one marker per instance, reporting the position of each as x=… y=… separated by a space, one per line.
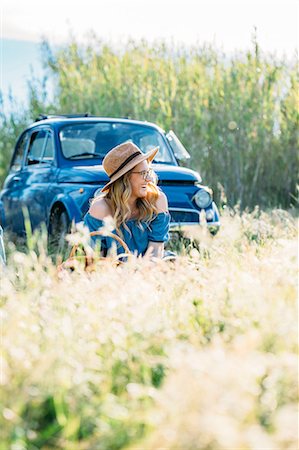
x=100 y=209
x=162 y=202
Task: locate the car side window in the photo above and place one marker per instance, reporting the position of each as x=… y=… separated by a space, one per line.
x=19 y=153
x=37 y=145
x=48 y=153
x=41 y=148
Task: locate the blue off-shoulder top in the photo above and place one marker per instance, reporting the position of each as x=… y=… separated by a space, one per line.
x=137 y=238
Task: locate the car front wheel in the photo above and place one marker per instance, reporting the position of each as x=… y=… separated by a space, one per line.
x=59 y=227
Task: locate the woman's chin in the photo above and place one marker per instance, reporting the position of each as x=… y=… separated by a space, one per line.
x=142 y=193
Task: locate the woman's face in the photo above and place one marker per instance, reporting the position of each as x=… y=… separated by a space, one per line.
x=139 y=179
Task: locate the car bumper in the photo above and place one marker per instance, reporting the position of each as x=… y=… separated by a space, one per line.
x=181 y=217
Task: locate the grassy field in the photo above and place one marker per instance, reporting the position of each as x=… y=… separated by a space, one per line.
x=196 y=354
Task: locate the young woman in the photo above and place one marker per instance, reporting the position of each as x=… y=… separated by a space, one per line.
x=138 y=207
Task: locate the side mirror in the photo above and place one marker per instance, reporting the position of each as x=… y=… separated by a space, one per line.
x=178 y=149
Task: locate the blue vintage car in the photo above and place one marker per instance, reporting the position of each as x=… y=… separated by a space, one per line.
x=56 y=169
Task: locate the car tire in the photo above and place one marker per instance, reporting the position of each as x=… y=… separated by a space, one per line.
x=213 y=230
x=59 y=227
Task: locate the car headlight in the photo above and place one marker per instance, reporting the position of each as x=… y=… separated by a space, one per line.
x=203 y=198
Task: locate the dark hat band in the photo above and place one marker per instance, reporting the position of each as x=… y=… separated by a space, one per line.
x=126 y=161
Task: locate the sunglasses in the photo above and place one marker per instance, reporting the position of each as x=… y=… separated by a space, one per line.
x=146 y=174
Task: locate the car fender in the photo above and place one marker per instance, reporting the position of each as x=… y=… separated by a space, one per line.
x=69 y=204
x=2 y=248
x=2 y=215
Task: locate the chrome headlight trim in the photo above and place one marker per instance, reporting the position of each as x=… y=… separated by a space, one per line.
x=203 y=197
x=97 y=192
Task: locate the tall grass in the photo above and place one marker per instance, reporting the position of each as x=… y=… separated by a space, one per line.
x=196 y=354
x=236 y=115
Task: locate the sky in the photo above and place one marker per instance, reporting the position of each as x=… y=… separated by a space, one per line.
x=227 y=24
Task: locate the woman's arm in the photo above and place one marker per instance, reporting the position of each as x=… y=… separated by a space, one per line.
x=162 y=203
x=156 y=249
x=94 y=220
x=100 y=209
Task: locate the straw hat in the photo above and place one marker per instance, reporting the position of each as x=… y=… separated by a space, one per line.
x=123 y=158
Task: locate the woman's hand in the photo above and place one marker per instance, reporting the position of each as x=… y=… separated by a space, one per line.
x=155 y=249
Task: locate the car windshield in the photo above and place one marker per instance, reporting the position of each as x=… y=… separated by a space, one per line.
x=94 y=139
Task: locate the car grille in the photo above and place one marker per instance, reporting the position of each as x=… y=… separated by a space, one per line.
x=176 y=183
x=184 y=216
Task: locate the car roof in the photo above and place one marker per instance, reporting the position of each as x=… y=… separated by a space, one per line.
x=56 y=121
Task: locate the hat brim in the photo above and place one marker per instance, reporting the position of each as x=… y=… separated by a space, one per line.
x=149 y=156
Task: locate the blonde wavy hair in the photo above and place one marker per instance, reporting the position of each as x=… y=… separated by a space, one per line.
x=118 y=197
